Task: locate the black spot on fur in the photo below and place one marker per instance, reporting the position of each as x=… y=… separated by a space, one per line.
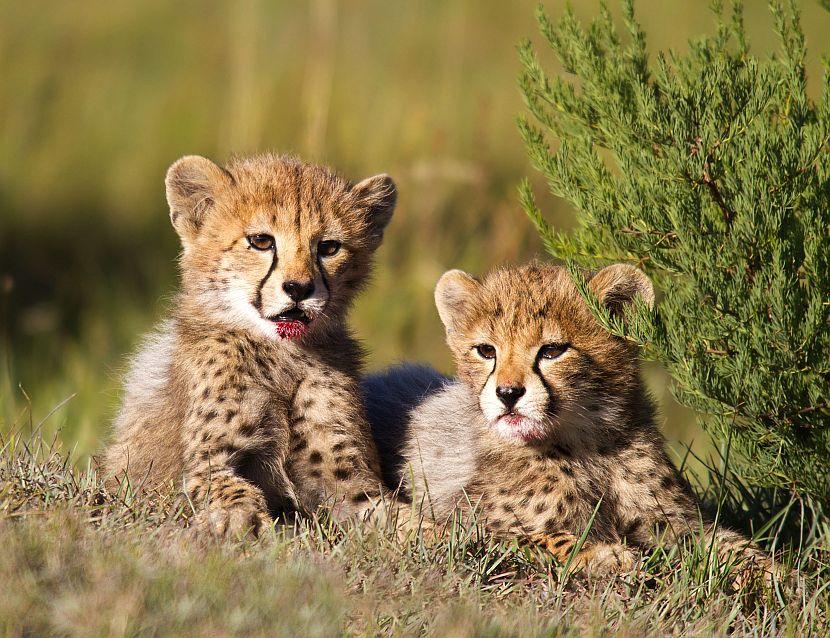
x=315 y=457
x=342 y=473
x=633 y=527
x=210 y=415
x=248 y=428
x=300 y=445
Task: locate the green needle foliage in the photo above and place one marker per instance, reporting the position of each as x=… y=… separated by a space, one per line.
x=710 y=171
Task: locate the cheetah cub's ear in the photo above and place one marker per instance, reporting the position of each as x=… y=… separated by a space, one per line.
x=193 y=183
x=454 y=292
x=617 y=285
x=378 y=196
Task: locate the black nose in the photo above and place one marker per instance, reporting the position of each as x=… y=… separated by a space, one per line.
x=298 y=290
x=509 y=394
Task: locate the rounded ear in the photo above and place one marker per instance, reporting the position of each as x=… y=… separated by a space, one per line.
x=378 y=195
x=617 y=285
x=193 y=183
x=454 y=291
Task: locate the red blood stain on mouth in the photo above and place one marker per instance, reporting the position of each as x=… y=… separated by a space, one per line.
x=290 y=329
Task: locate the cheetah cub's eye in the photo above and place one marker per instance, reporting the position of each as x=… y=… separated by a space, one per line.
x=261 y=242
x=485 y=351
x=553 y=350
x=328 y=248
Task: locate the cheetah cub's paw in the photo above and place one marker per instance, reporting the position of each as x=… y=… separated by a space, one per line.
x=235 y=521
x=595 y=559
x=755 y=572
x=603 y=559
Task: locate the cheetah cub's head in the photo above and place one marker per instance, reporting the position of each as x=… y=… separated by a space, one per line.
x=525 y=341
x=272 y=245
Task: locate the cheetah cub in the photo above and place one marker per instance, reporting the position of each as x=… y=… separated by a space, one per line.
x=548 y=425
x=249 y=390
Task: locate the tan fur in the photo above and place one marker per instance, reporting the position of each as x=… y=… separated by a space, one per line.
x=253 y=423
x=582 y=443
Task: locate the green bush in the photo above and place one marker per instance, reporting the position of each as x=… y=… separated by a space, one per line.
x=709 y=170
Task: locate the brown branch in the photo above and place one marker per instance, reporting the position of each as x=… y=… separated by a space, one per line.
x=728 y=214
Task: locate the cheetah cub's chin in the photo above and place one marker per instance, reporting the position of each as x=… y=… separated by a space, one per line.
x=515 y=426
x=548 y=430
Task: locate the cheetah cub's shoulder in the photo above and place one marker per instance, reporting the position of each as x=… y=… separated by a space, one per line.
x=248 y=391
x=547 y=427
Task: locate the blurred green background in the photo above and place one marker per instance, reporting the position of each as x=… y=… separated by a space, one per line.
x=98 y=97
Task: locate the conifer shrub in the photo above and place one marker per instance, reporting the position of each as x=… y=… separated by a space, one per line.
x=710 y=170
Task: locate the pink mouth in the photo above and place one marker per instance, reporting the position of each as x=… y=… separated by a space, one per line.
x=518 y=426
x=291 y=329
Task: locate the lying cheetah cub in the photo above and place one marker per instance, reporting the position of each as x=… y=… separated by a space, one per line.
x=547 y=426
x=249 y=390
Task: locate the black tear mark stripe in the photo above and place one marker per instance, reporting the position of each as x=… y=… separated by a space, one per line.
x=323 y=275
x=552 y=400
x=487 y=380
x=257 y=302
x=538 y=372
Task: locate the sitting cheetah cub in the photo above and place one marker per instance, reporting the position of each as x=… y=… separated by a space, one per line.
x=547 y=426
x=249 y=391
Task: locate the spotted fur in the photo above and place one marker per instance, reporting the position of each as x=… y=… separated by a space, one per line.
x=578 y=446
x=254 y=417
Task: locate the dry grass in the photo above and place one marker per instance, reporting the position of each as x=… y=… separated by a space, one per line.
x=80 y=561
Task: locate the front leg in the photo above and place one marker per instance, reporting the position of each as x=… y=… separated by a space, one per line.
x=663 y=511
x=332 y=461
x=218 y=434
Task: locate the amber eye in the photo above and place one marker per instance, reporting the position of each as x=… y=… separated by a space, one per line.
x=261 y=242
x=553 y=350
x=486 y=351
x=328 y=247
